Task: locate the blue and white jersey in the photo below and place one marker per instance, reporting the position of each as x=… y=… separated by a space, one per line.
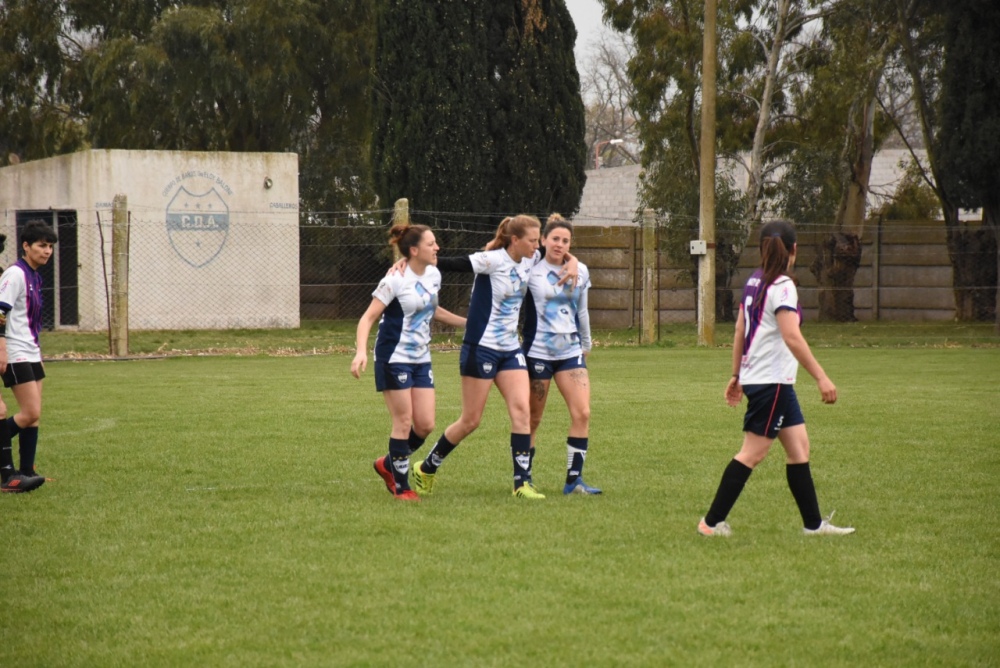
x=556 y=321
x=497 y=294
x=404 y=332
x=21 y=296
x=766 y=358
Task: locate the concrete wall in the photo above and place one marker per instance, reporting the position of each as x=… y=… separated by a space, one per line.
x=211 y=244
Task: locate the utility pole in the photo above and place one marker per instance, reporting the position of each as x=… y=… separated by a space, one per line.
x=706 y=209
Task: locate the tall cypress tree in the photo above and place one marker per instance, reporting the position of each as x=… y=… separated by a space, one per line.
x=539 y=119
x=432 y=105
x=477 y=106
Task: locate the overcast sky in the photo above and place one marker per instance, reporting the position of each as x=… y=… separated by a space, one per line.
x=587 y=18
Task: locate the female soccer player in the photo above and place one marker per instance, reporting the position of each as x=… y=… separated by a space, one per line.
x=405 y=303
x=491 y=351
x=20 y=353
x=767 y=350
x=557 y=340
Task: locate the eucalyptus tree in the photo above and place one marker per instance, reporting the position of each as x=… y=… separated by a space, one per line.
x=756 y=45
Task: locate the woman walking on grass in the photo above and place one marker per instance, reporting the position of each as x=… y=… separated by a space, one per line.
x=491 y=351
x=557 y=340
x=406 y=302
x=768 y=348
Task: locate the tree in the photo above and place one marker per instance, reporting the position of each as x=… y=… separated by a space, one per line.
x=538 y=120
x=969 y=141
x=837 y=104
x=234 y=75
x=607 y=92
x=477 y=106
x=36 y=117
x=753 y=127
x=922 y=29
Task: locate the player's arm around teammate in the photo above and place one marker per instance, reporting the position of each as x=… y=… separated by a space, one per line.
x=404 y=304
x=557 y=341
x=491 y=351
x=768 y=347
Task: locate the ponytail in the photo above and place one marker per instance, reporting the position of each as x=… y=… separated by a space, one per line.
x=777 y=239
x=509 y=227
x=405 y=237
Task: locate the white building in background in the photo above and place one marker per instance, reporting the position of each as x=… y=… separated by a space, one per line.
x=213 y=237
x=611 y=194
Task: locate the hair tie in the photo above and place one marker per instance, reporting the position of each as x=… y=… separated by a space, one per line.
x=776 y=235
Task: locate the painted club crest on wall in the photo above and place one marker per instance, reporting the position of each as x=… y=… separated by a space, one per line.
x=197 y=225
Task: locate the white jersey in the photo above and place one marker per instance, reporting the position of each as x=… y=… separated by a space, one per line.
x=21 y=296
x=497 y=294
x=556 y=321
x=766 y=358
x=404 y=332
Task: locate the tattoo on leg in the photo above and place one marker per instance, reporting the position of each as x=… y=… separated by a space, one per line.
x=537 y=388
x=580 y=377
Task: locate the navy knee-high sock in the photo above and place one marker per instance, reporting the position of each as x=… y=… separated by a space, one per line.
x=436 y=456
x=520 y=451
x=576 y=454
x=399 y=463
x=414 y=442
x=28 y=444
x=730 y=487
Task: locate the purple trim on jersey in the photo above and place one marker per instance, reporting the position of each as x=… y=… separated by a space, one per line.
x=32 y=298
x=759 y=293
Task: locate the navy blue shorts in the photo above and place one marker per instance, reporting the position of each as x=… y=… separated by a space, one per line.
x=23 y=372
x=771 y=408
x=539 y=369
x=402 y=376
x=479 y=362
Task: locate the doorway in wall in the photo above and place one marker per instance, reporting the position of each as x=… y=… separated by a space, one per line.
x=60 y=282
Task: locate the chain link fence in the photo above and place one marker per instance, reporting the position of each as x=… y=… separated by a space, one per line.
x=266 y=272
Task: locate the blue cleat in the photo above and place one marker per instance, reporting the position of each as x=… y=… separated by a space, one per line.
x=578 y=486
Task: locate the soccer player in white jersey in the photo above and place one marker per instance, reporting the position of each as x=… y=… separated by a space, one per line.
x=21 y=356
x=768 y=348
x=491 y=350
x=557 y=341
x=406 y=303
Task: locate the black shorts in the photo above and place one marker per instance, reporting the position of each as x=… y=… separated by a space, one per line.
x=771 y=408
x=19 y=373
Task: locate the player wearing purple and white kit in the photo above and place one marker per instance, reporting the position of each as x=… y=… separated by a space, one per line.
x=406 y=304
x=21 y=355
x=768 y=348
x=557 y=340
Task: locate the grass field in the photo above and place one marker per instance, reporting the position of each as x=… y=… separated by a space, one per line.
x=222 y=511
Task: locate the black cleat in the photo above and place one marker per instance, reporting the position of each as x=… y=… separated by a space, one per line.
x=19 y=483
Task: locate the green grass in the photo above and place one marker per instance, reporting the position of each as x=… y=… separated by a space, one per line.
x=222 y=511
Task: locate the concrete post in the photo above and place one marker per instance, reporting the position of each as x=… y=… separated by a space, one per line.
x=649 y=277
x=119 y=276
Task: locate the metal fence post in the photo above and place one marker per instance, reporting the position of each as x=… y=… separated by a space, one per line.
x=119 y=276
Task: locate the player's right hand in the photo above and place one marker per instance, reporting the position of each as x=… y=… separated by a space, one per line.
x=359 y=364
x=734 y=392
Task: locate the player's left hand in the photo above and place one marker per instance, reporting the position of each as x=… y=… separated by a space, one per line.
x=570 y=272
